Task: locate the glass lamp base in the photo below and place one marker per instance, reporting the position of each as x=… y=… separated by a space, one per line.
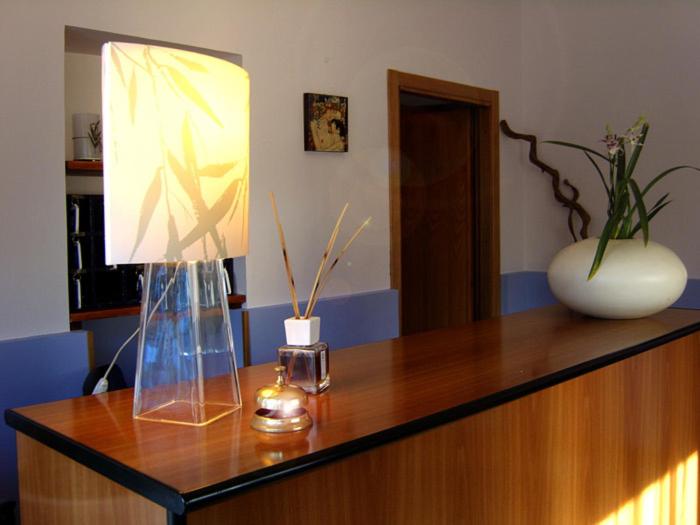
x=186 y=369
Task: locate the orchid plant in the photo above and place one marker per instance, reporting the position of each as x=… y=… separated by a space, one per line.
x=627 y=211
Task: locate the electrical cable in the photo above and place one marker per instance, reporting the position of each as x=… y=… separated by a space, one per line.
x=103 y=384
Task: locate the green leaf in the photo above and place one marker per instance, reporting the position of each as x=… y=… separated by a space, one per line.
x=652 y=214
x=621 y=196
x=656 y=204
x=600 y=250
x=576 y=146
x=626 y=226
x=613 y=190
x=663 y=174
x=605 y=236
x=623 y=231
x=657 y=209
x=659 y=202
x=148 y=206
x=620 y=165
x=641 y=210
x=188 y=90
x=621 y=205
x=636 y=151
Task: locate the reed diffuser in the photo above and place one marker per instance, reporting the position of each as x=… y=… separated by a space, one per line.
x=305 y=357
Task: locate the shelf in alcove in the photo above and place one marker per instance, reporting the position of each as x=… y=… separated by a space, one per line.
x=94 y=169
x=234 y=301
x=90 y=168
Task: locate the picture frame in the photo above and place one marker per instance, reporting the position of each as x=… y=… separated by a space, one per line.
x=325 y=123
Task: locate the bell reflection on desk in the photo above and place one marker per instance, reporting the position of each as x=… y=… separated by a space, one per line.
x=276 y=448
x=281 y=407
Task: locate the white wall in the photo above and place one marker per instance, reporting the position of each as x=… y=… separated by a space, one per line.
x=33 y=281
x=288 y=48
x=346 y=48
x=586 y=64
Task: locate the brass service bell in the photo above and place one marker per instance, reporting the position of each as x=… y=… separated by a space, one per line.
x=280 y=407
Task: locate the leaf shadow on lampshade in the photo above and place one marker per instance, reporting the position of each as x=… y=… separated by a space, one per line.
x=183 y=117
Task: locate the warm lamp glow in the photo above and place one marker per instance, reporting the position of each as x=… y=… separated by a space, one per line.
x=671 y=499
x=175 y=133
x=175 y=155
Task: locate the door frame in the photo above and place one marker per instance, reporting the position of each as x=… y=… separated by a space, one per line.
x=486 y=195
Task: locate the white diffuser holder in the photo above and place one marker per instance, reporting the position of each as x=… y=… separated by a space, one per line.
x=305 y=358
x=302 y=332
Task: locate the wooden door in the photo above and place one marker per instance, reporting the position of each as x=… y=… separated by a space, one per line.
x=438 y=159
x=483 y=235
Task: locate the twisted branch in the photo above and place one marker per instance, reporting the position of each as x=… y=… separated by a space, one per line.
x=570 y=203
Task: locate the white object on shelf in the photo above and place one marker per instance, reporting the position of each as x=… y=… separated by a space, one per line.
x=83 y=148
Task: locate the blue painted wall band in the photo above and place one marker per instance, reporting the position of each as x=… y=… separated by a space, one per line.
x=345 y=321
x=36 y=370
x=525 y=290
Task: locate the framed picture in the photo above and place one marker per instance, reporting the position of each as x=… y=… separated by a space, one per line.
x=325 y=122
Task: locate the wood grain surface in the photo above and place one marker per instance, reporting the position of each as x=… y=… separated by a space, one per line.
x=84 y=167
x=57 y=490
x=615 y=446
x=380 y=391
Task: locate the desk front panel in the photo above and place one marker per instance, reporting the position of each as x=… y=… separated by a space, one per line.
x=611 y=446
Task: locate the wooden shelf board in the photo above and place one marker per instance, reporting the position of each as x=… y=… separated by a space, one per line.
x=234 y=301
x=91 y=168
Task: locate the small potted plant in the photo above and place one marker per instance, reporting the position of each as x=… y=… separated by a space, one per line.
x=618 y=275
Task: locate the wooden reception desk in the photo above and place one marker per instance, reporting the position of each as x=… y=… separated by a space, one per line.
x=540 y=417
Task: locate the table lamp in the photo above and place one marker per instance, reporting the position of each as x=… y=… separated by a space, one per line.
x=175 y=130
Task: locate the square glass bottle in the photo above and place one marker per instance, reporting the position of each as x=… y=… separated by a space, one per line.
x=307 y=366
x=304 y=356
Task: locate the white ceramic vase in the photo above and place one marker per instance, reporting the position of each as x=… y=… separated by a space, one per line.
x=632 y=281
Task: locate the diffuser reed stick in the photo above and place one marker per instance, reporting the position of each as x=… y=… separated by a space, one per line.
x=314 y=299
x=287 y=265
x=324 y=259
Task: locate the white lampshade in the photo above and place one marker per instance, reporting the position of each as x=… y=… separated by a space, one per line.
x=175 y=134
